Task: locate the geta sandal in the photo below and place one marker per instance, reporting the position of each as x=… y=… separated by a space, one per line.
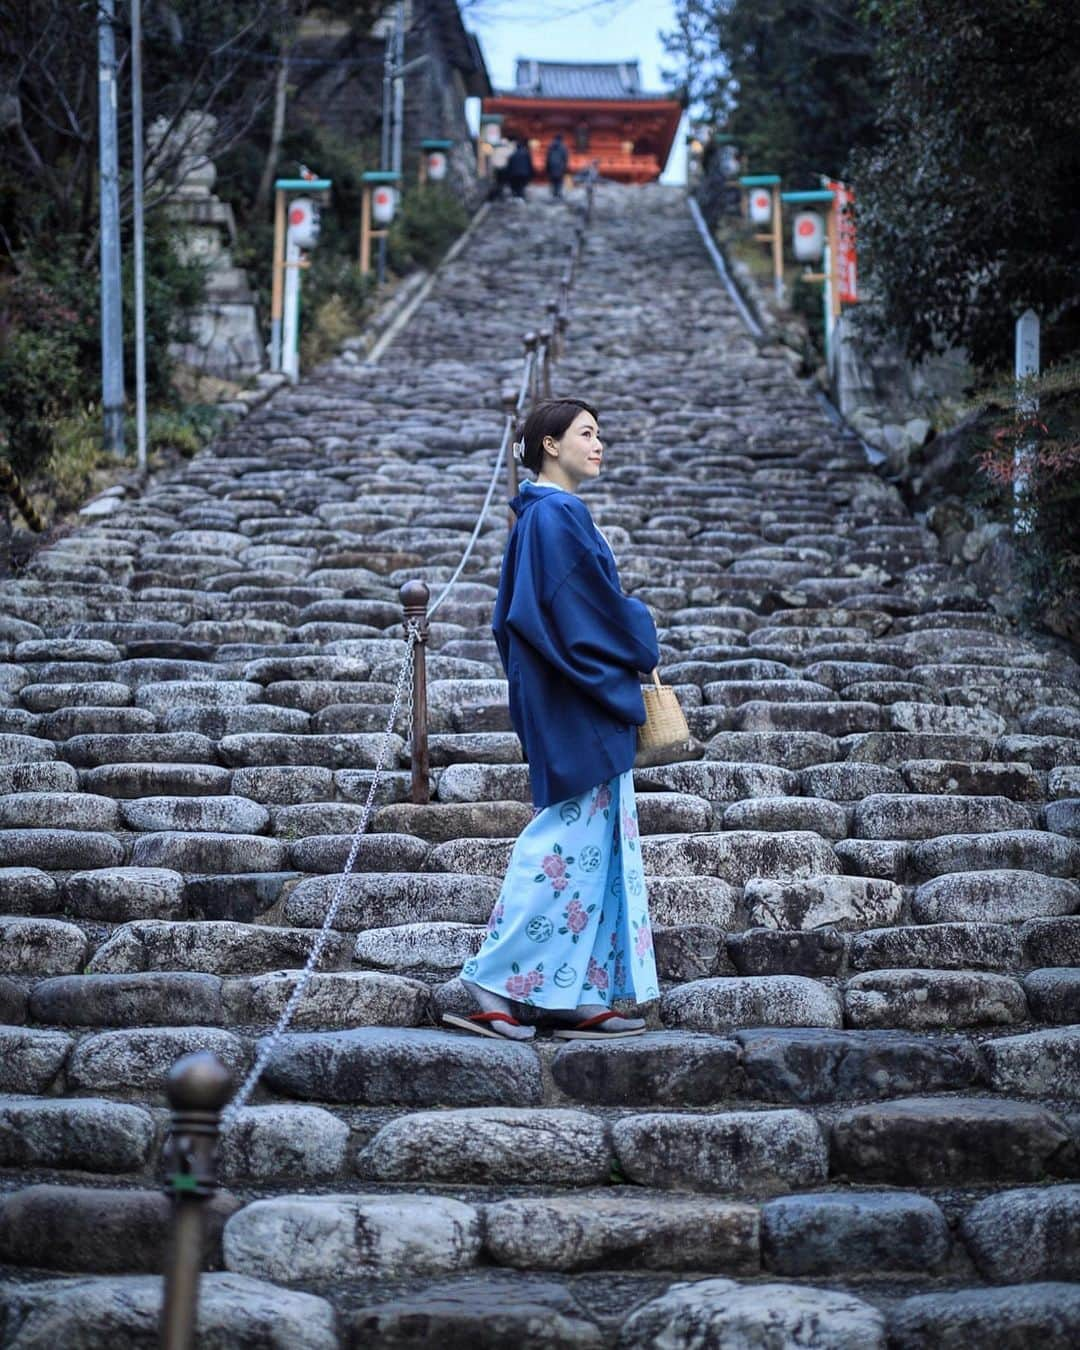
x=592 y=1029
x=480 y=1024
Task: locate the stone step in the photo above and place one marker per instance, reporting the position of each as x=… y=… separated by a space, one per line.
x=220 y=947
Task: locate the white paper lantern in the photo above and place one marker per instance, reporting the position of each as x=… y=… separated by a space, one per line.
x=436 y=166
x=303 y=222
x=382 y=205
x=808 y=236
x=760 y=206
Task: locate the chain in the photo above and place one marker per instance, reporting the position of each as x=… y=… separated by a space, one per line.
x=270 y=1044
x=404 y=680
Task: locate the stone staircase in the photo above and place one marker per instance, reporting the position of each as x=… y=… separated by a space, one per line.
x=855 y=1119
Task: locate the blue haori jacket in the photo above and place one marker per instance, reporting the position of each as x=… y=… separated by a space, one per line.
x=572 y=645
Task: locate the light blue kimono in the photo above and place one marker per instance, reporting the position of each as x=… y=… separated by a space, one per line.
x=571 y=924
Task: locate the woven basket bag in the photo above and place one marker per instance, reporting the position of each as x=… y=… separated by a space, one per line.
x=664 y=721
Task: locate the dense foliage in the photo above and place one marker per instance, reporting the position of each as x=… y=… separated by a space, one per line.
x=794 y=82
x=1030 y=463
x=234 y=59
x=969 y=207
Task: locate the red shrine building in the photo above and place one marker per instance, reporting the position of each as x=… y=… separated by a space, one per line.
x=601 y=110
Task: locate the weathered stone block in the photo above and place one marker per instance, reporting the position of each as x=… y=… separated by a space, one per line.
x=296 y=1238
x=660 y=1232
x=139 y=1060
x=926 y=1141
x=83 y=1134
x=725 y=1003
x=1026 y=1235
x=840 y=902
x=722 y=1313
x=91 y=1228
x=165 y=998
x=490 y=1147
x=378 y=1066
x=820 y=1066
x=1047 y=1315
x=839 y=1234
x=731 y=1151
x=677 y=1068
x=998 y=896
x=924 y=1000
x=273 y=1143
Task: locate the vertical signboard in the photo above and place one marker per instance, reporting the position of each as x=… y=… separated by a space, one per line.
x=845 y=262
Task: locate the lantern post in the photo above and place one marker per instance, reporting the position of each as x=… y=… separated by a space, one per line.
x=764 y=209
x=281 y=265
x=376 y=209
x=825 y=250
x=433 y=160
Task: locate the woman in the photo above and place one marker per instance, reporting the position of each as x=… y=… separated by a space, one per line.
x=570 y=931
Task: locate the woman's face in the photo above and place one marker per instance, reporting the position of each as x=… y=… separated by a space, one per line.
x=579 y=451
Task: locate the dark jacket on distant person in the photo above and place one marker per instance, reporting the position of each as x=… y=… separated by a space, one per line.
x=557 y=159
x=519 y=168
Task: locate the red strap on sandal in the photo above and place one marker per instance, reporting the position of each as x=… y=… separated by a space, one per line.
x=596 y=1021
x=494 y=1017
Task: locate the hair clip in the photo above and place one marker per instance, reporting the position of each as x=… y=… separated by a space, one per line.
x=519 y=451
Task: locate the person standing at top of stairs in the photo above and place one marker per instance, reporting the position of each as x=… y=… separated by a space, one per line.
x=570 y=931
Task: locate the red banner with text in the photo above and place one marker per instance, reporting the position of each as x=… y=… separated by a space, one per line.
x=846 y=273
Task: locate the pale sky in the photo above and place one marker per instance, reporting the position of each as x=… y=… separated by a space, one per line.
x=576 y=30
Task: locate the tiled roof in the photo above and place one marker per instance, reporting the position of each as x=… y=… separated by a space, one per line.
x=579 y=79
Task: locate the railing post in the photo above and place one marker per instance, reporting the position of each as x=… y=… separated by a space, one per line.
x=509 y=402
x=545 y=362
x=414 y=601
x=530 y=341
x=561 y=324
x=553 y=325
x=197 y=1087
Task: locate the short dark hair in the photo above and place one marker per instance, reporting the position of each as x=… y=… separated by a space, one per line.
x=551 y=418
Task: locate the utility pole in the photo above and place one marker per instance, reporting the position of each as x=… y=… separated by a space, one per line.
x=140 y=255
x=399 y=84
x=384 y=148
x=112 y=333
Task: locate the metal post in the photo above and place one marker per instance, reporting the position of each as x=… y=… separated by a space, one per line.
x=399 y=85
x=545 y=362
x=365 y=235
x=1026 y=365
x=509 y=403
x=140 y=232
x=777 y=244
x=277 y=280
x=384 y=153
x=530 y=341
x=290 y=324
x=414 y=601
x=112 y=333
x=198 y=1086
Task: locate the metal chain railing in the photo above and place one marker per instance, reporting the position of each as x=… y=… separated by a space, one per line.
x=269 y=1045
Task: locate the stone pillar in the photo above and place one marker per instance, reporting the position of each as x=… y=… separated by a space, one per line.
x=224 y=332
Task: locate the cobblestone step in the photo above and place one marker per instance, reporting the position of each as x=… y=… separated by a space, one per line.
x=863 y=880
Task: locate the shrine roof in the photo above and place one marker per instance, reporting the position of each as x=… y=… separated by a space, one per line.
x=579 y=80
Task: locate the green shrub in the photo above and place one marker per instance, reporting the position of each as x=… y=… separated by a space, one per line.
x=1033 y=442
x=50 y=353
x=427 y=222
